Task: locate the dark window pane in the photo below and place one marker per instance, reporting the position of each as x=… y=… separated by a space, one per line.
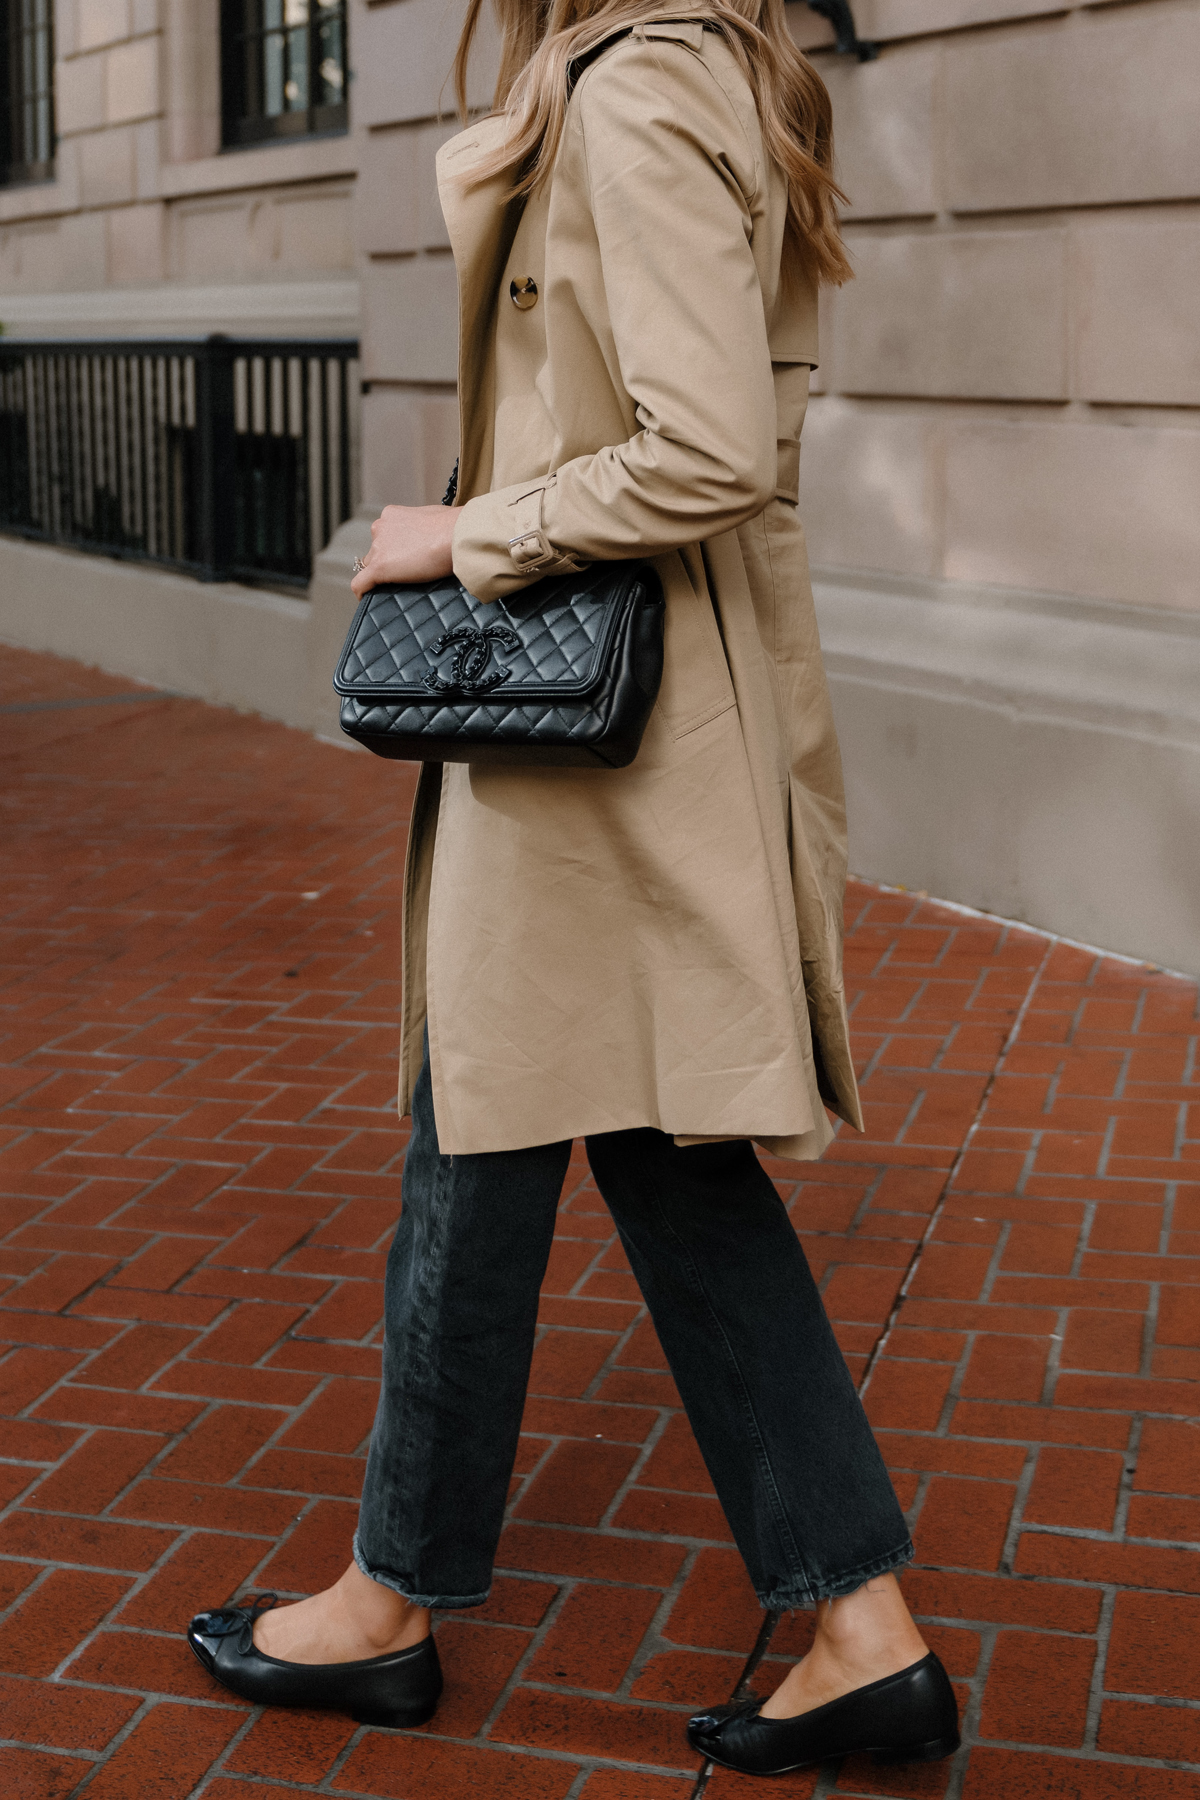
x=26 y=90
x=284 y=68
x=331 y=54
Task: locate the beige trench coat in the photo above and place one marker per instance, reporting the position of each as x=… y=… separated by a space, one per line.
x=659 y=945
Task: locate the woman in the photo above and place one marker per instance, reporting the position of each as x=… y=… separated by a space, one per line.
x=650 y=957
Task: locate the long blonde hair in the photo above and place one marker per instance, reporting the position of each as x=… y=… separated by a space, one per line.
x=542 y=38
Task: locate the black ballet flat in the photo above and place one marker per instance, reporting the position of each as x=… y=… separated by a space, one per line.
x=398 y=1690
x=909 y=1717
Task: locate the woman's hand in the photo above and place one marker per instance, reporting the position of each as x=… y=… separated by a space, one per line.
x=408 y=543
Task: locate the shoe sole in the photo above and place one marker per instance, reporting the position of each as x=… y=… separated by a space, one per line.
x=933 y=1750
x=397 y=1721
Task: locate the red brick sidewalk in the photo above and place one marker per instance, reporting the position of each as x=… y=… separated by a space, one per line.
x=202 y=1166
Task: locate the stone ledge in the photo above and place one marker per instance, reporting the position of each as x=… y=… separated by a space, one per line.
x=1117 y=667
x=261 y=166
x=231 y=645
x=1031 y=754
x=244 y=309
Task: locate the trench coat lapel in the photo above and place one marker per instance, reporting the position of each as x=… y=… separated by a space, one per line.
x=481 y=225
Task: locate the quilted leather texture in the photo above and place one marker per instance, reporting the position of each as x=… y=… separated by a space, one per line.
x=564 y=673
x=559 y=629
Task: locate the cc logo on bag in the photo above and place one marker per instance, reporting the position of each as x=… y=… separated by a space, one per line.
x=469 y=672
x=523 y=292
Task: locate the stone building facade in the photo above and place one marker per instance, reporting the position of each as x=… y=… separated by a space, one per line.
x=1001 y=464
x=148 y=228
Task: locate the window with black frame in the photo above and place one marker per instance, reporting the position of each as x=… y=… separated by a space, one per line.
x=26 y=90
x=283 y=69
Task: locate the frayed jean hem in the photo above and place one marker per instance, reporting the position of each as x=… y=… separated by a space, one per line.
x=443 y=1602
x=795 y=1595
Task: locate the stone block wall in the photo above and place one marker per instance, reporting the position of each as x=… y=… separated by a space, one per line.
x=406 y=107
x=1009 y=387
x=146 y=213
x=1001 y=465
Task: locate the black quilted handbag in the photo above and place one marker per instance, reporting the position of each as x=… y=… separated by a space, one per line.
x=565 y=673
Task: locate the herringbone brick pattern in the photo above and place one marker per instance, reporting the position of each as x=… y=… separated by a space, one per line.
x=201 y=1165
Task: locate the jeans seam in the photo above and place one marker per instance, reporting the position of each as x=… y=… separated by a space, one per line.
x=790 y=1547
x=423 y=1337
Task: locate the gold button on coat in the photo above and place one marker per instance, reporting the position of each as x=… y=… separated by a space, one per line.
x=523 y=292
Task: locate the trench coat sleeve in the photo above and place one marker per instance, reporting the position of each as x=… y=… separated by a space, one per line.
x=656 y=150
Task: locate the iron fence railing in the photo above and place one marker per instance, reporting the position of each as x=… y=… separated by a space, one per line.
x=227 y=458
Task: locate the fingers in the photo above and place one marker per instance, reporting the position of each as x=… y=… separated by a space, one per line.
x=364 y=578
x=408 y=543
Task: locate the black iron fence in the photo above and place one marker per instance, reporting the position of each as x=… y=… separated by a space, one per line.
x=231 y=459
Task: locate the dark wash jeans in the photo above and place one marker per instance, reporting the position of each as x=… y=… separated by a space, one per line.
x=769 y=1397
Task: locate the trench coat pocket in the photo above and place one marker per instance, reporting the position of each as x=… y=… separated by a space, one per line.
x=696 y=685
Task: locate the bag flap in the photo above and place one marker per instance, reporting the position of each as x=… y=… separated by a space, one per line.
x=416 y=642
